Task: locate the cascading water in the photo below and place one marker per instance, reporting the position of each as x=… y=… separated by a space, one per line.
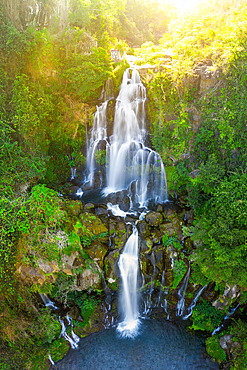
x=73 y=342
x=98 y=138
x=128 y=266
x=181 y=293
x=127 y=160
x=230 y=313
x=47 y=302
x=193 y=303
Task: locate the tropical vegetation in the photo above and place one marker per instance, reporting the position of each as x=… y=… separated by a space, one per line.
x=54 y=62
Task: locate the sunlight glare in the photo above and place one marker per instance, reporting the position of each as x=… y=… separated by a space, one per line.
x=185 y=5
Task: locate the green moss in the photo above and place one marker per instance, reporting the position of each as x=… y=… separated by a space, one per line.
x=58 y=349
x=214 y=349
x=179 y=270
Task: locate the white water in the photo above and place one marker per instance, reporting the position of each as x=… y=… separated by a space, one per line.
x=193 y=303
x=51 y=360
x=230 y=313
x=181 y=294
x=98 y=135
x=72 y=173
x=47 y=302
x=127 y=158
x=116 y=211
x=79 y=193
x=128 y=265
x=73 y=342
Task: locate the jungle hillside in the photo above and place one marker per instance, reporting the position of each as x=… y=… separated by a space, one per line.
x=55 y=61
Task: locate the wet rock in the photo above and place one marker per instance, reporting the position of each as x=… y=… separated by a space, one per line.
x=146 y=265
x=95 y=324
x=143 y=228
x=72 y=189
x=88 y=207
x=156 y=236
x=189 y=217
x=120 y=235
x=177 y=227
x=75 y=313
x=100 y=210
x=154 y=219
x=121 y=198
x=159 y=208
x=170 y=213
x=145 y=245
x=111 y=265
x=159 y=259
x=112 y=226
x=97 y=252
x=129 y=229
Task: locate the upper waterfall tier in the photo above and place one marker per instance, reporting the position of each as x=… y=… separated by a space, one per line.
x=127 y=160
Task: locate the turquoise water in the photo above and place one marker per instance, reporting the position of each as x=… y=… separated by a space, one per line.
x=160 y=345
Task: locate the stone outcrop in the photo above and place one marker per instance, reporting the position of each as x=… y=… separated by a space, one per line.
x=226 y=299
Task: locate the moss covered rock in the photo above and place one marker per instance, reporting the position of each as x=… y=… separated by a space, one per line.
x=154 y=219
x=93 y=223
x=111 y=266
x=97 y=252
x=74 y=207
x=143 y=228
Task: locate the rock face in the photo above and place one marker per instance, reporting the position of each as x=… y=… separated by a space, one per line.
x=98 y=240
x=82 y=248
x=208 y=75
x=229 y=295
x=92 y=241
x=87 y=279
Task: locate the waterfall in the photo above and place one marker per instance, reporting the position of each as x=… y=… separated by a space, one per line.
x=98 y=138
x=127 y=159
x=193 y=303
x=73 y=342
x=72 y=173
x=181 y=293
x=51 y=360
x=47 y=302
x=128 y=266
x=230 y=313
x=161 y=293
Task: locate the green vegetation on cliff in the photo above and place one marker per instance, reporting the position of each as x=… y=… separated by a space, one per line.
x=53 y=65
x=198 y=110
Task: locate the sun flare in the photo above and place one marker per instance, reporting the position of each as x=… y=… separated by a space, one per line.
x=185 y=5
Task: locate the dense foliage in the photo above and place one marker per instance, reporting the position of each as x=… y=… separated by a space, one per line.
x=199 y=127
x=54 y=61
